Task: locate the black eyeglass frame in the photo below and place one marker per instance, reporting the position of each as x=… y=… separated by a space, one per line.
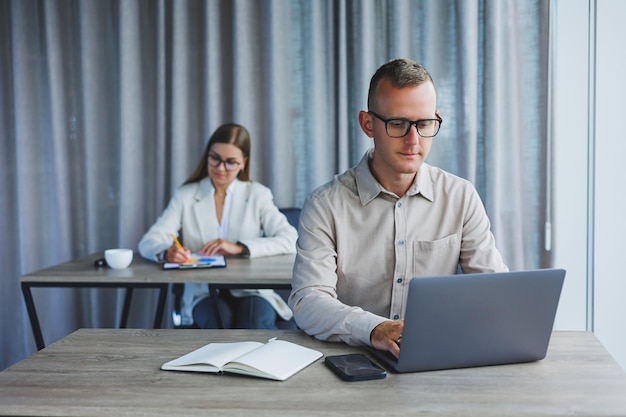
x=411 y=123
x=219 y=161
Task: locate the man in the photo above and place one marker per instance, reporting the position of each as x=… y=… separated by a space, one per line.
x=367 y=233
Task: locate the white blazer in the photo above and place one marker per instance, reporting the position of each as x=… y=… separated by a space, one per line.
x=254 y=220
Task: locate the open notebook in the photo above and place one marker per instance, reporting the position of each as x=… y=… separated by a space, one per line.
x=468 y=320
x=276 y=359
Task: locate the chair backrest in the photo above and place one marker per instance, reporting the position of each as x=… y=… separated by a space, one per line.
x=292 y=214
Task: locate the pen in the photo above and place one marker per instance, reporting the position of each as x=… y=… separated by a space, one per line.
x=176 y=241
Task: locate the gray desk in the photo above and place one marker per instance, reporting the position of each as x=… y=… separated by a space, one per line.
x=268 y=272
x=116 y=372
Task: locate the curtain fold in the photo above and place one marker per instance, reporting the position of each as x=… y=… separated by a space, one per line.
x=105 y=107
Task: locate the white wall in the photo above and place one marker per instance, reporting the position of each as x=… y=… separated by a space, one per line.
x=610 y=184
x=569 y=224
x=590 y=205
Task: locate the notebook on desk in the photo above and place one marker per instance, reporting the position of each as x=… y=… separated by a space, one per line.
x=468 y=320
x=197 y=261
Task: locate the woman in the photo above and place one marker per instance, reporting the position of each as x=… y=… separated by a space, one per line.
x=218 y=210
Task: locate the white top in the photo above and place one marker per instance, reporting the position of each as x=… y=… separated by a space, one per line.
x=250 y=217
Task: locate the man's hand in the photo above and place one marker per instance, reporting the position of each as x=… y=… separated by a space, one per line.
x=386 y=336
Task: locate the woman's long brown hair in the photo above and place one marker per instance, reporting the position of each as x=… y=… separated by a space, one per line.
x=230 y=133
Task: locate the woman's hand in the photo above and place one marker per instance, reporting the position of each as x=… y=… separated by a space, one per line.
x=176 y=254
x=222 y=247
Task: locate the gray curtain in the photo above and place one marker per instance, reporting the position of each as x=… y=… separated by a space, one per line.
x=106 y=105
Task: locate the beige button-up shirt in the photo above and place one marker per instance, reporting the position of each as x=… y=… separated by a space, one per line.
x=360 y=245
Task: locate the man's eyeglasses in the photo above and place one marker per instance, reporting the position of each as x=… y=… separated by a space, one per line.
x=398 y=128
x=229 y=165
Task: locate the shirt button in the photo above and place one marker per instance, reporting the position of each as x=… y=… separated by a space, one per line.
x=399 y=280
x=399 y=205
x=396 y=317
x=400 y=242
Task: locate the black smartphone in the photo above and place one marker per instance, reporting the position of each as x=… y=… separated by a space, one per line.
x=354 y=367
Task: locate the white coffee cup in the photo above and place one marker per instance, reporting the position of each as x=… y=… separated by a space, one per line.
x=118 y=258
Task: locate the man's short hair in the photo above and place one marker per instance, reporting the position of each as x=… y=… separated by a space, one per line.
x=401 y=73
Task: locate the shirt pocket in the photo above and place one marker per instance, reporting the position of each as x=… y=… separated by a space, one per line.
x=436 y=257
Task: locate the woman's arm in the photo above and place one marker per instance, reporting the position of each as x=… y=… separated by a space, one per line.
x=158 y=238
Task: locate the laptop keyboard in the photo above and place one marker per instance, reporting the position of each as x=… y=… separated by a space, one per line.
x=384 y=355
x=389 y=356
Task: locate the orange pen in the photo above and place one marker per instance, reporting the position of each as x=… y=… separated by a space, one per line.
x=176 y=241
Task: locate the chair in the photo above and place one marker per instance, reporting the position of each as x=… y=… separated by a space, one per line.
x=293 y=216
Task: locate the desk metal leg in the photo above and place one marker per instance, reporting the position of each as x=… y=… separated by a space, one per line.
x=126 y=309
x=36 y=327
x=158 y=318
x=32 y=315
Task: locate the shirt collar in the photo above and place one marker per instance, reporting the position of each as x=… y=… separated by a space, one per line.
x=229 y=189
x=205 y=188
x=424 y=183
x=369 y=188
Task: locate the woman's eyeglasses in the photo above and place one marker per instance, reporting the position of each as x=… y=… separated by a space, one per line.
x=229 y=165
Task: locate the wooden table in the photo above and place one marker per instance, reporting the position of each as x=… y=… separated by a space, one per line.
x=268 y=272
x=116 y=372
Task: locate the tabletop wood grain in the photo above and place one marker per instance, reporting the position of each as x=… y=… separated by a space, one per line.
x=116 y=372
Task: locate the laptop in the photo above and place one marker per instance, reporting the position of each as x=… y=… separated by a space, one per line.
x=468 y=320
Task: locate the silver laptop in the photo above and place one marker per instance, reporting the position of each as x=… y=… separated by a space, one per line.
x=467 y=320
